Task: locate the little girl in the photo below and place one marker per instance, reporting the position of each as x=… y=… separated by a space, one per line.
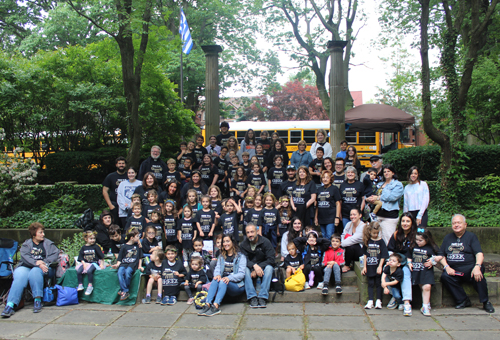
x=247 y=205
x=149 y=242
x=170 y=224
x=192 y=201
x=205 y=218
x=256 y=178
x=153 y=269
x=186 y=232
x=293 y=261
x=196 y=278
x=216 y=196
x=285 y=211
x=425 y=251
x=254 y=214
x=375 y=252
x=312 y=248
x=157 y=223
x=270 y=219
x=129 y=259
x=229 y=220
x=91 y=259
x=238 y=184
x=259 y=153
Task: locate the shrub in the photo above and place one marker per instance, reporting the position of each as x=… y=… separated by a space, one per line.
x=65 y=204
x=50 y=220
x=483 y=160
x=72 y=246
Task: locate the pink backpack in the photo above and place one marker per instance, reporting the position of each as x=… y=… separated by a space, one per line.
x=63 y=264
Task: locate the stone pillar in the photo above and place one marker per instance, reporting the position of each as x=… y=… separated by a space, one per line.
x=337 y=94
x=212 y=114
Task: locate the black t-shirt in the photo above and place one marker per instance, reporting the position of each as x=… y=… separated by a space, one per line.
x=326 y=200
x=294 y=262
x=276 y=176
x=262 y=160
x=270 y=219
x=197 y=276
x=375 y=251
x=315 y=257
x=116 y=245
x=180 y=162
x=256 y=180
x=352 y=196
x=159 y=230
x=286 y=188
x=266 y=145
x=129 y=256
x=229 y=263
x=170 y=176
x=231 y=170
x=316 y=165
x=370 y=188
x=139 y=223
x=338 y=180
x=397 y=275
x=222 y=139
x=420 y=255
x=148 y=209
x=186 y=172
x=199 y=152
x=112 y=181
x=239 y=185
x=169 y=279
x=206 y=219
x=229 y=224
x=187 y=232
x=208 y=173
x=461 y=252
x=152 y=269
x=284 y=217
x=91 y=254
x=254 y=216
x=217 y=207
x=144 y=193
x=246 y=167
x=170 y=226
x=38 y=252
x=221 y=165
x=302 y=193
x=403 y=248
x=147 y=245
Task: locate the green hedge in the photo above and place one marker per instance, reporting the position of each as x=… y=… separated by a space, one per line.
x=82 y=166
x=483 y=160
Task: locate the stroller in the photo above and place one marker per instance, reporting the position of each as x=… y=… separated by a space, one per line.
x=8 y=250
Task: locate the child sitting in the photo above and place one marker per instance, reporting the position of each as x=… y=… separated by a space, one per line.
x=157 y=223
x=195 y=278
x=293 y=260
x=136 y=220
x=91 y=259
x=198 y=251
x=117 y=238
x=333 y=260
x=312 y=247
x=129 y=259
x=149 y=242
x=375 y=252
x=153 y=269
x=392 y=277
x=172 y=271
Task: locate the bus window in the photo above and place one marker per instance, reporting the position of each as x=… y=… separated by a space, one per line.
x=295 y=136
x=367 y=138
x=309 y=136
x=240 y=135
x=283 y=135
x=350 y=137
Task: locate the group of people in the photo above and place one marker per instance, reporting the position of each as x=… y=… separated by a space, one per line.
x=205 y=195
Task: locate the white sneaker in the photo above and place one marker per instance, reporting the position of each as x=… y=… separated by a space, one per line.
x=378 y=304
x=306 y=285
x=320 y=285
x=401 y=307
x=369 y=305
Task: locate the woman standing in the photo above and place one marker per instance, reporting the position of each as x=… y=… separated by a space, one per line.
x=279 y=148
x=389 y=193
x=402 y=242
x=301 y=156
x=416 y=197
x=351 y=158
x=352 y=239
x=328 y=208
x=304 y=195
x=149 y=182
x=352 y=194
x=229 y=276
x=37 y=253
x=248 y=144
x=125 y=191
x=321 y=141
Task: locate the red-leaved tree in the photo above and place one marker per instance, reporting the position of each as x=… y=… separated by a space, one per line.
x=293 y=102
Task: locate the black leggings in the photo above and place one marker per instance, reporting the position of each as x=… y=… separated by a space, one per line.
x=90 y=273
x=352 y=254
x=190 y=286
x=374 y=281
x=318 y=273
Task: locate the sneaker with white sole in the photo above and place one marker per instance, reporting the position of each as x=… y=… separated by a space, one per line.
x=89 y=290
x=320 y=285
x=401 y=307
x=407 y=310
x=369 y=305
x=378 y=304
x=425 y=311
x=306 y=286
x=80 y=287
x=338 y=290
x=393 y=304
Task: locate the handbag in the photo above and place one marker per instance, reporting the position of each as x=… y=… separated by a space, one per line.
x=66 y=296
x=295 y=283
x=49 y=296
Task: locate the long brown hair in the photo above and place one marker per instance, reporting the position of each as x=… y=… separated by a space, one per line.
x=236 y=249
x=308 y=175
x=368 y=231
x=354 y=158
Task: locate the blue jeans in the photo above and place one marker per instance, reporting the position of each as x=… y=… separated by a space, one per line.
x=124 y=277
x=23 y=275
x=264 y=287
x=406 y=284
x=218 y=290
x=395 y=291
x=336 y=273
x=327 y=230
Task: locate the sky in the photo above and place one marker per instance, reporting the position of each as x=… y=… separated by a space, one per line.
x=367 y=70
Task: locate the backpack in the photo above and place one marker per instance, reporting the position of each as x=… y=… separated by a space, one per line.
x=277 y=282
x=86 y=221
x=63 y=264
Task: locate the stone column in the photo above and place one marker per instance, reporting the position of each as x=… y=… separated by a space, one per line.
x=212 y=114
x=337 y=94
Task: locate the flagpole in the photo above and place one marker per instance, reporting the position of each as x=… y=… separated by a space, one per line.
x=182 y=76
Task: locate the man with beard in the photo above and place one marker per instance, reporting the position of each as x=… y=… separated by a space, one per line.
x=110 y=187
x=260 y=262
x=287 y=186
x=155 y=165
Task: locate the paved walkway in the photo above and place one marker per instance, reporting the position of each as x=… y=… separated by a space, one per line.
x=288 y=321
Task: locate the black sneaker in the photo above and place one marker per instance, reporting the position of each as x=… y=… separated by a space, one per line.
x=262 y=303
x=254 y=302
x=213 y=311
x=338 y=290
x=204 y=310
x=8 y=312
x=488 y=307
x=325 y=290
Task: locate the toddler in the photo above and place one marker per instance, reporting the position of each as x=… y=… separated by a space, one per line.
x=195 y=278
x=392 y=277
x=293 y=260
x=91 y=259
x=375 y=252
x=368 y=183
x=153 y=269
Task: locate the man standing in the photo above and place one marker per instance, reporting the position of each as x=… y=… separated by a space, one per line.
x=224 y=134
x=376 y=163
x=110 y=187
x=155 y=165
x=463 y=262
x=339 y=174
x=288 y=185
x=260 y=262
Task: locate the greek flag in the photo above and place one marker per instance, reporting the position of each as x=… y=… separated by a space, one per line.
x=185 y=34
